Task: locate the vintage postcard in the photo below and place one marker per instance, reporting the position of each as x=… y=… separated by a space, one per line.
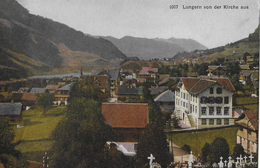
x=129 y=84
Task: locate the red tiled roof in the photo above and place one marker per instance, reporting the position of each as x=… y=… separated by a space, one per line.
x=253 y=117
x=126 y=115
x=197 y=85
x=52 y=87
x=250 y=120
x=201 y=85
x=225 y=82
x=189 y=82
x=29 y=96
x=145 y=70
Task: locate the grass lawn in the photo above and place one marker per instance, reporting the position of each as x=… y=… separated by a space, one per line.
x=196 y=140
x=241 y=101
x=35 y=135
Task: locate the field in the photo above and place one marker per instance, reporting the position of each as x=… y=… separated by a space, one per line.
x=249 y=103
x=34 y=138
x=197 y=139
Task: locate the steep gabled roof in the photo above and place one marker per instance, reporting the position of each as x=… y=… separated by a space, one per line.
x=8 y=109
x=197 y=85
x=126 y=115
x=189 y=82
x=100 y=81
x=250 y=120
x=226 y=83
x=67 y=87
x=201 y=85
x=167 y=96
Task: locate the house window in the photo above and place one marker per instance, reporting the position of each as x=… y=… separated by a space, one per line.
x=204 y=122
x=226 y=110
x=211 y=91
x=226 y=121
x=191 y=108
x=249 y=132
x=195 y=109
x=219 y=90
x=226 y=100
x=183 y=104
x=211 y=121
x=186 y=105
x=187 y=96
x=203 y=100
x=196 y=98
x=183 y=95
x=211 y=110
x=218 y=100
x=211 y=100
x=218 y=121
x=219 y=111
x=203 y=111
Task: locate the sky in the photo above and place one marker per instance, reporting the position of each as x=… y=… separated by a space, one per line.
x=154 y=18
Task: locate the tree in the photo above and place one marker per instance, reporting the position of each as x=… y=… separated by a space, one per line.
x=232 y=68
x=85 y=89
x=205 y=152
x=8 y=155
x=155 y=114
x=44 y=100
x=238 y=150
x=235 y=81
x=80 y=138
x=153 y=141
x=218 y=148
x=186 y=148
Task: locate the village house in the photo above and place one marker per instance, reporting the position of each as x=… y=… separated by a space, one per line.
x=62 y=94
x=114 y=78
x=247 y=134
x=128 y=120
x=52 y=88
x=166 y=101
x=149 y=73
x=13 y=111
x=244 y=76
x=124 y=93
x=204 y=103
x=28 y=100
x=217 y=70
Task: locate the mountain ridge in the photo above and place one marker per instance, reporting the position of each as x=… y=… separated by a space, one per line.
x=146 y=48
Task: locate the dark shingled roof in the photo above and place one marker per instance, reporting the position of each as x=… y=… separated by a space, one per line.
x=167 y=96
x=7 y=109
x=37 y=90
x=113 y=75
x=158 y=90
x=129 y=91
x=16 y=96
x=66 y=87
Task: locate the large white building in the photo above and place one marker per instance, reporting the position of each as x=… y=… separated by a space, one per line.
x=204 y=102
